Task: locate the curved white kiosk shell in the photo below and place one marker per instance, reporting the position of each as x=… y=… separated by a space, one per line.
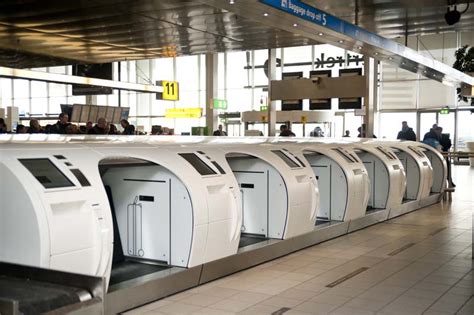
x=438 y=163
x=279 y=192
x=387 y=175
x=417 y=167
x=173 y=205
x=343 y=181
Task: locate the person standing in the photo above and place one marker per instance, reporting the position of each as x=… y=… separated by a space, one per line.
x=100 y=128
x=347 y=134
x=286 y=132
x=62 y=124
x=220 y=132
x=128 y=129
x=406 y=133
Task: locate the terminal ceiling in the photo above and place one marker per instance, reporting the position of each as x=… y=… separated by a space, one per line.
x=38 y=33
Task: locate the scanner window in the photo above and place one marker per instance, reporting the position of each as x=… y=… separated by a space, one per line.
x=46 y=173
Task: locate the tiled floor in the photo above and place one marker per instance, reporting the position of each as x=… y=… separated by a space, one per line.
x=419 y=263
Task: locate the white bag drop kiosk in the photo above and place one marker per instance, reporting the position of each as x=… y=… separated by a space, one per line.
x=386 y=173
x=438 y=163
x=53 y=212
x=342 y=180
x=279 y=193
x=419 y=173
x=173 y=206
x=179 y=201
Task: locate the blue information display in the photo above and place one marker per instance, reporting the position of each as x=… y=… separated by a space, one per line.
x=313 y=15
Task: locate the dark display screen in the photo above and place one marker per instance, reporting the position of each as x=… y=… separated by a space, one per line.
x=286 y=159
x=46 y=173
x=198 y=164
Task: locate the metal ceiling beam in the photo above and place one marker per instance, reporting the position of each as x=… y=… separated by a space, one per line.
x=71 y=79
x=326 y=28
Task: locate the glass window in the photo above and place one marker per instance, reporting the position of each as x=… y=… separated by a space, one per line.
x=187 y=73
x=21 y=88
x=39 y=106
x=46 y=173
x=426 y=123
x=57 y=89
x=198 y=164
x=237 y=75
x=391 y=123
x=465 y=130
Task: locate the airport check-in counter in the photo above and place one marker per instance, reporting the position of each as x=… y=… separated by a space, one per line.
x=342 y=180
x=279 y=192
x=419 y=173
x=386 y=173
x=167 y=206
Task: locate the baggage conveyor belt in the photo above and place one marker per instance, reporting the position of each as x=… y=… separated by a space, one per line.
x=38 y=297
x=32 y=290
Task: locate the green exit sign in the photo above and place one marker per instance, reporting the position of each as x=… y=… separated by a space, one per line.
x=263 y=108
x=444 y=110
x=220 y=104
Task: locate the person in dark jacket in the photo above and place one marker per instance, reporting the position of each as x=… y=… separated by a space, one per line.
x=61 y=125
x=286 y=132
x=3 y=126
x=432 y=134
x=35 y=127
x=406 y=133
x=128 y=129
x=100 y=128
x=219 y=132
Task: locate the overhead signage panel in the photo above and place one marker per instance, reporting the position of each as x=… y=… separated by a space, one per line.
x=170 y=91
x=316 y=16
x=219 y=104
x=193 y=112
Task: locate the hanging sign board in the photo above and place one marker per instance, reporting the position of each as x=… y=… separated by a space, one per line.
x=263 y=108
x=219 y=104
x=170 y=91
x=194 y=112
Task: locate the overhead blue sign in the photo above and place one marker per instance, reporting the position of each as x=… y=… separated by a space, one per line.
x=313 y=15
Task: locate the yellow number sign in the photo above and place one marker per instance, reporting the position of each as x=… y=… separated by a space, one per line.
x=170 y=90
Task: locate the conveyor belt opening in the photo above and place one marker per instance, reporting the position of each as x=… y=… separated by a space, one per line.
x=39 y=297
x=264 y=198
x=333 y=187
x=152 y=214
x=413 y=176
x=379 y=180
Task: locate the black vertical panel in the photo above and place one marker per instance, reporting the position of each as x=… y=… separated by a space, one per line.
x=292 y=104
x=324 y=103
x=350 y=103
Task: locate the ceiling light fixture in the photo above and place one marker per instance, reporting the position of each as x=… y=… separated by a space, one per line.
x=360 y=47
x=231 y=1
x=295 y=25
x=340 y=41
x=320 y=34
x=265 y=14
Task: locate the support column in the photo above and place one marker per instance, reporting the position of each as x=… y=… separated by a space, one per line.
x=211 y=92
x=370 y=98
x=271 y=104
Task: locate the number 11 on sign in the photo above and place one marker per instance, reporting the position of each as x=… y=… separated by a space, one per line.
x=170 y=91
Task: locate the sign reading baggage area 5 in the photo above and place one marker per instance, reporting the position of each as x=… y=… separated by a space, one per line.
x=170 y=91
